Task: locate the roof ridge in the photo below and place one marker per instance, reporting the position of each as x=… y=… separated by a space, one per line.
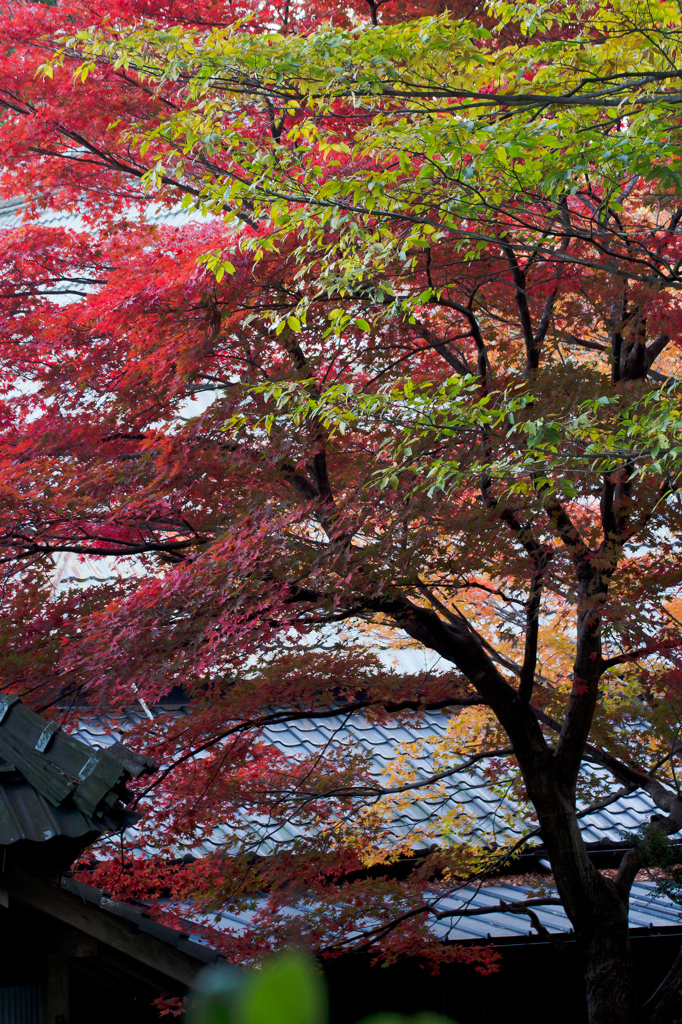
x=60 y=780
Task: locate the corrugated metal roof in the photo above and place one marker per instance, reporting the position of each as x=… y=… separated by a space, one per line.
x=477 y=914
x=54 y=784
x=647 y=910
x=21 y=1004
x=494 y=815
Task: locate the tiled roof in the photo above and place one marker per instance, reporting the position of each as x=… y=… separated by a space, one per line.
x=476 y=915
x=53 y=784
x=493 y=813
x=650 y=912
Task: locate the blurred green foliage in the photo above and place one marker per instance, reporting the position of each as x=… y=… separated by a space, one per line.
x=287 y=989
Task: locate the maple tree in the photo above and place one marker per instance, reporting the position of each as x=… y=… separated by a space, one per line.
x=409 y=371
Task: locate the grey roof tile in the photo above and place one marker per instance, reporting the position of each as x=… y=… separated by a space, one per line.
x=380 y=741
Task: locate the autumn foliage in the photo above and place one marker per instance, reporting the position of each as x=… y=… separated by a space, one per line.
x=327 y=330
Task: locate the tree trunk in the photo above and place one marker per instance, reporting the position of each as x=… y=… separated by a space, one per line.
x=599 y=915
x=595 y=907
x=609 y=984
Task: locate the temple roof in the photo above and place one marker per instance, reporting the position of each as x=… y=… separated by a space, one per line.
x=53 y=785
x=487 y=812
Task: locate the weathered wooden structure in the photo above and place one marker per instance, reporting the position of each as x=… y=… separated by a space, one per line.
x=69 y=954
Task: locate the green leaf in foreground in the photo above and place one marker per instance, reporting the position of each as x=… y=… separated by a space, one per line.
x=286 y=990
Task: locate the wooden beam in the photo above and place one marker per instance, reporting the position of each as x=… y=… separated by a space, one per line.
x=106 y=928
x=74 y=943
x=57 y=989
